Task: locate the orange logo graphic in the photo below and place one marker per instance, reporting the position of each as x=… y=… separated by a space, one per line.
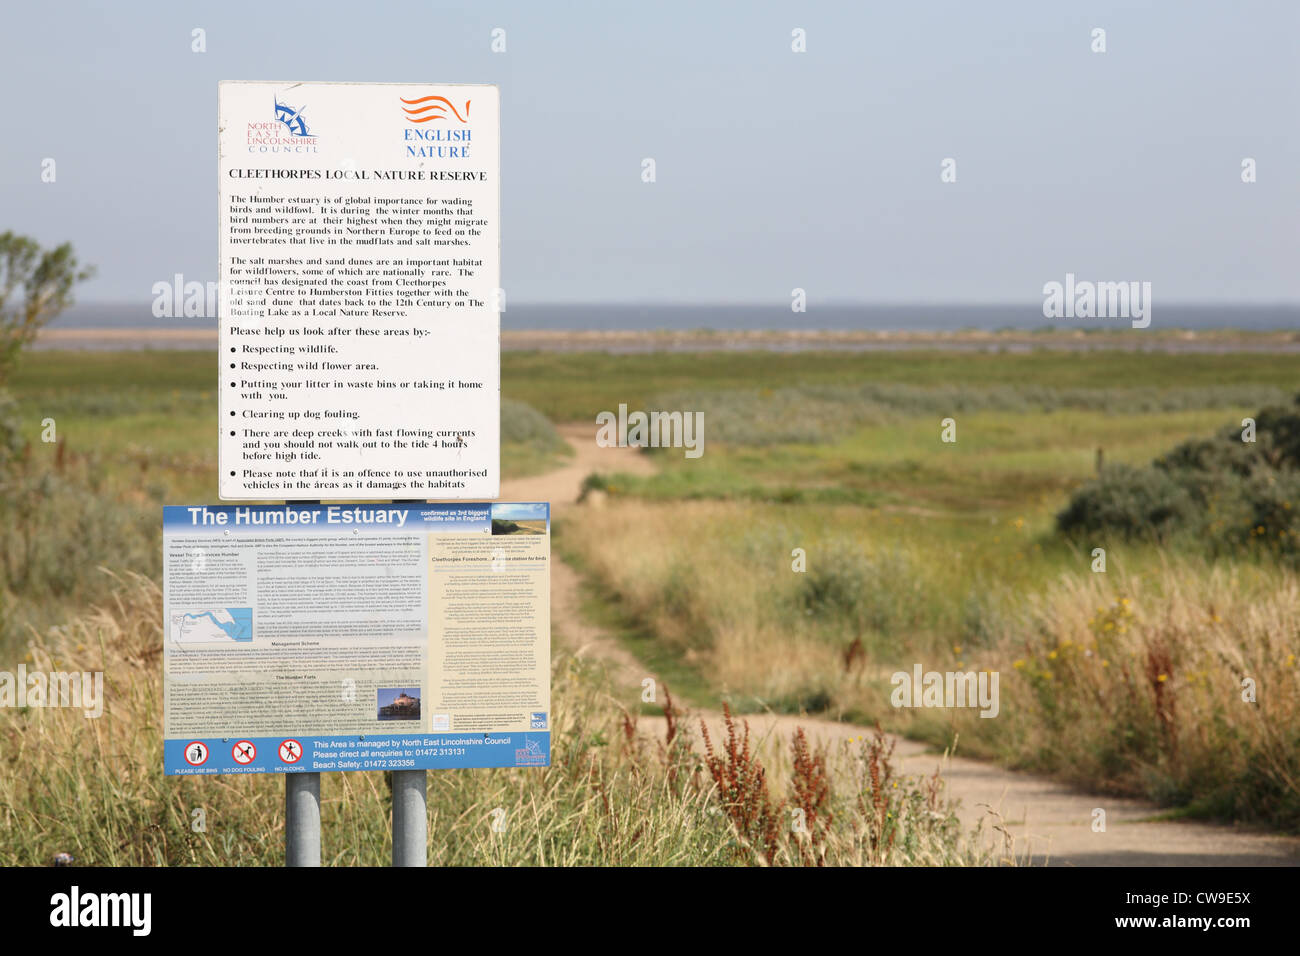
x=436 y=108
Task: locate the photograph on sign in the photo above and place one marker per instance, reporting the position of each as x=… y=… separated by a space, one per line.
x=359 y=338
x=303 y=638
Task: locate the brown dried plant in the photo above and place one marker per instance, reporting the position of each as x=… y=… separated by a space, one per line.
x=1159 y=674
x=811 y=786
x=742 y=788
x=876 y=806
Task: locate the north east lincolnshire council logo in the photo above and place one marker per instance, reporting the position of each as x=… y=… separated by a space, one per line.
x=292 y=118
x=284 y=131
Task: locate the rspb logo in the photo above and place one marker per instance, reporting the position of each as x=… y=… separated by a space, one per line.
x=286 y=133
x=530 y=755
x=538 y=720
x=440 y=138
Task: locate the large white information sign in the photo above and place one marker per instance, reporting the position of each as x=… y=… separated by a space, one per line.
x=360 y=274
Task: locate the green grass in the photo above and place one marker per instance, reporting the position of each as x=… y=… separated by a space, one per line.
x=575 y=386
x=915 y=546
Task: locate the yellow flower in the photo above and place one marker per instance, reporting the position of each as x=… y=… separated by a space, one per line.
x=1105 y=663
x=1046 y=675
x=1162 y=678
x=1020 y=523
x=956 y=648
x=1051 y=656
x=1019 y=664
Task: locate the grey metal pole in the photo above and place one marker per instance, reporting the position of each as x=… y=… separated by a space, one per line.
x=410 y=819
x=302 y=819
x=410 y=792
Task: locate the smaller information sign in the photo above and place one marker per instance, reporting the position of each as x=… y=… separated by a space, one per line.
x=303 y=638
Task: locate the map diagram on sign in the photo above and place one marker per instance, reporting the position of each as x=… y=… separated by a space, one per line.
x=214 y=624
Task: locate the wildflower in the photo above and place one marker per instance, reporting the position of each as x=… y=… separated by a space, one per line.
x=956 y=649
x=1162 y=678
x=1105 y=663
x=1020 y=523
x=1019 y=664
x=1051 y=656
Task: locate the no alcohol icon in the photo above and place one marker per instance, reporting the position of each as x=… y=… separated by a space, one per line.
x=290 y=751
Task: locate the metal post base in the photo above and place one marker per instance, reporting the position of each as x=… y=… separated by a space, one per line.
x=302 y=819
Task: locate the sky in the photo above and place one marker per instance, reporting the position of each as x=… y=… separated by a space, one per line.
x=775 y=170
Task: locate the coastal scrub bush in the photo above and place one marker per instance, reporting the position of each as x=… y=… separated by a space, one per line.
x=1229 y=493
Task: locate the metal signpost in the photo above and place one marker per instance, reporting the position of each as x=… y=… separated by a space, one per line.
x=359 y=362
x=302 y=819
x=410 y=817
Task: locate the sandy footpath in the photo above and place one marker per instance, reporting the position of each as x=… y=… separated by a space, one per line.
x=1049 y=822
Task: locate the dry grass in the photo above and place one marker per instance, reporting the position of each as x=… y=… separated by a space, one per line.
x=1132 y=682
x=94 y=787
x=1181 y=683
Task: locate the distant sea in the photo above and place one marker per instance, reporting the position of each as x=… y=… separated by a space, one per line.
x=624 y=317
